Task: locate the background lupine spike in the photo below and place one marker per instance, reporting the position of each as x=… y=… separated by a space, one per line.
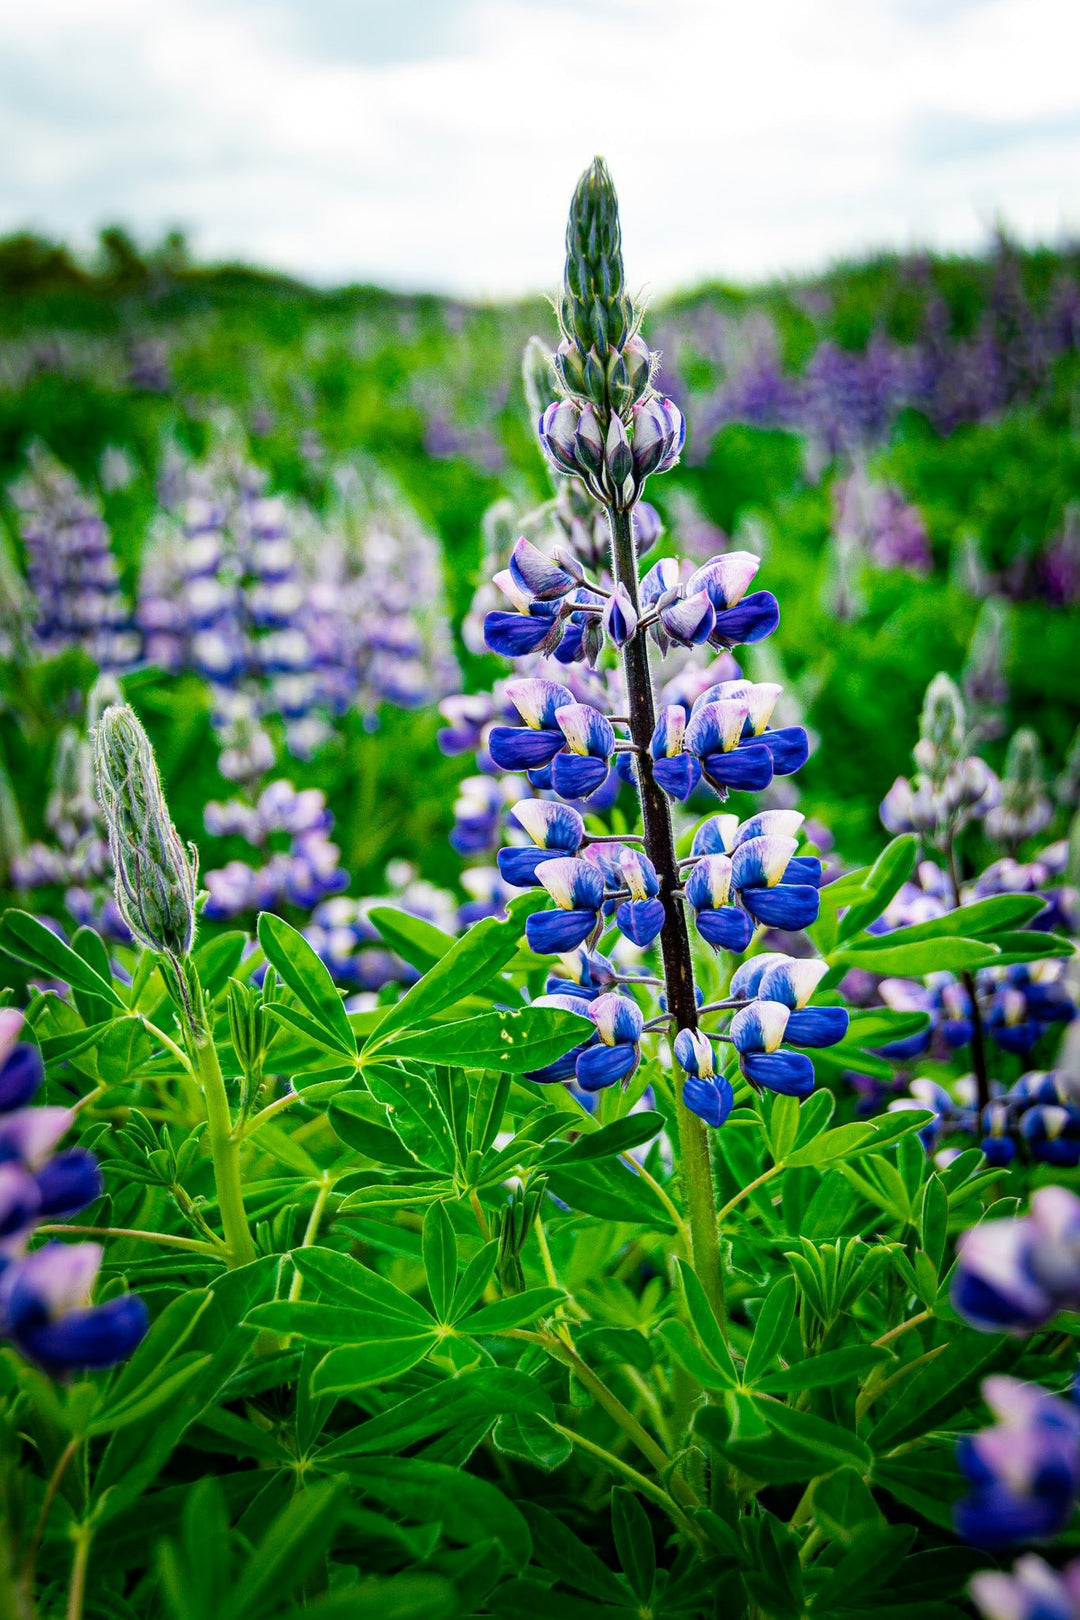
x=155 y=875
x=942 y=729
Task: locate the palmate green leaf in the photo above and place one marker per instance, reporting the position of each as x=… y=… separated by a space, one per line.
x=36 y=946
x=874 y=1026
x=488 y=1109
x=877 y=1551
x=474 y=1279
x=88 y=944
x=317 y=1323
x=557 y=1549
x=612 y=1191
x=415 y=1112
x=123 y=1049
x=687 y=1353
x=835 y=1144
x=930 y=1396
x=414 y=939
x=531 y=1439
x=307 y=977
x=470 y=1509
x=288 y=1552
x=218 y=959
x=1025 y=947
x=310 y=1028
x=833 y=1445
x=514 y=1311
x=843 y=1503
x=60 y=1048
x=465 y=967
x=514 y=1041
x=709 y=1333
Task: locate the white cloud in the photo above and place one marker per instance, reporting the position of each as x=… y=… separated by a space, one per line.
x=436 y=145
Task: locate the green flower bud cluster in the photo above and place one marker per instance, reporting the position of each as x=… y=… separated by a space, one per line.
x=602 y=358
x=156 y=876
x=513 y=1227
x=1025 y=807
x=942 y=730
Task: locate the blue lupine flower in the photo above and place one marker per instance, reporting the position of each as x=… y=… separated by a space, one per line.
x=640 y=918
x=1013 y=1276
x=997 y=1145
x=21 y=1071
x=714 y=734
x=688 y=621
x=788 y=747
x=44 y=1310
x=1033 y=1591
x=619 y=1024
x=793 y=981
x=583 y=636
x=582 y=767
x=740 y=619
x=1052 y=1134
x=577 y=888
x=555 y=829
x=20 y=1205
x=539 y=575
x=759 y=871
x=535 y=629
x=708 y=890
x=620 y=618
x=477 y=813
x=67 y=1184
x=677 y=772
x=1025 y=1471
x=585 y=975
x=706 y=1092
x=519 y=748
x=722 y=834
x=756 y=1033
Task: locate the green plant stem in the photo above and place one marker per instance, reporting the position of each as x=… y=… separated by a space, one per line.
x=696 y=1165
x=751 y=1186
x=311 y=1231
x=53 y=1485
x=80 y=1565
x=967 y=979
x=645 y=1486
x=225 y=1153
x=268 y=1113
x=192 y=1245
x=894 y=1333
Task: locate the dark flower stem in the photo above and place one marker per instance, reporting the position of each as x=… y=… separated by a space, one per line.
x=674 y=939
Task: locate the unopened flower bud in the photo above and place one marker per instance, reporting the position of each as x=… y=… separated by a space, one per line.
x=594 y=309
x=942 y=726
x=570 y=368
x=620 y=465
x=155 y=875
x=589 y=441
x=620 y=616
x=659 y=432
x=558 y=430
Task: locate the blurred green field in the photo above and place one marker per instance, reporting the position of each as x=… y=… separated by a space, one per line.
x=148 y=350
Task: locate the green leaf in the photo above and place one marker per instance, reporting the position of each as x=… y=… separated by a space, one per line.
x=634 y=1542
x=470 y=1509
x=414 y=939
x=772 y=1328
x=349 y=1117
x=124 y=1048
x=318 y=1034
x=889 y=1128
x=934 y=1219
x=440 y=1254
x=88 y=944
x=828 y=1441
x=515 y=1041
x=874 y=1026
x=488 y=1109
x=400 y=1597
x=687 y=1353
x=884 y=880
x=843 y=1503
x=358 y=1366
x=612 y=1191
x=709 y=1332
x=558 y=1550
x=783 y=1126
x=514 y=1311
x=912 y=959
x=817 y=1372
x=288 y=1552
x=474 y=1279
x=465 y=967
x=839 y=1143
x=1023 y=947
x=317 y=1323
x=532 y=1439
x=484 y=1392
x=31 y=943
x=622 y=1136
x=349 y=1283
x=307 y=977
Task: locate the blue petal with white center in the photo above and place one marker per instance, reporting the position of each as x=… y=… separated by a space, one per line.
x=715 y=727
x=747 y=977
x=708 y=884
x=761 y=862
x=662 y=577
x=573 y=884
x=617 y=1018
x=564 y=1067
x=715 y=836
x=769 y=824
x=538 y=701
x=518 y=866
x=669 y=734
x=638 y=873
x=550 y=826
x=586 y=730
x=694 y=1053
x=759 y=1027
x=791 y=980
x=726 y=578
x=690 y=620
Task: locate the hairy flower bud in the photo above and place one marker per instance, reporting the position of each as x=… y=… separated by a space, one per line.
x=942 y=726
x=659 y=432
x=155 y=874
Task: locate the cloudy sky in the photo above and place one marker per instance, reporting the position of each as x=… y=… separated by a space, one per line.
x=435 y=143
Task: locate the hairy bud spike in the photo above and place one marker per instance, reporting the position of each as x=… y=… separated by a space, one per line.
x=155 y=875
x=596 y=315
